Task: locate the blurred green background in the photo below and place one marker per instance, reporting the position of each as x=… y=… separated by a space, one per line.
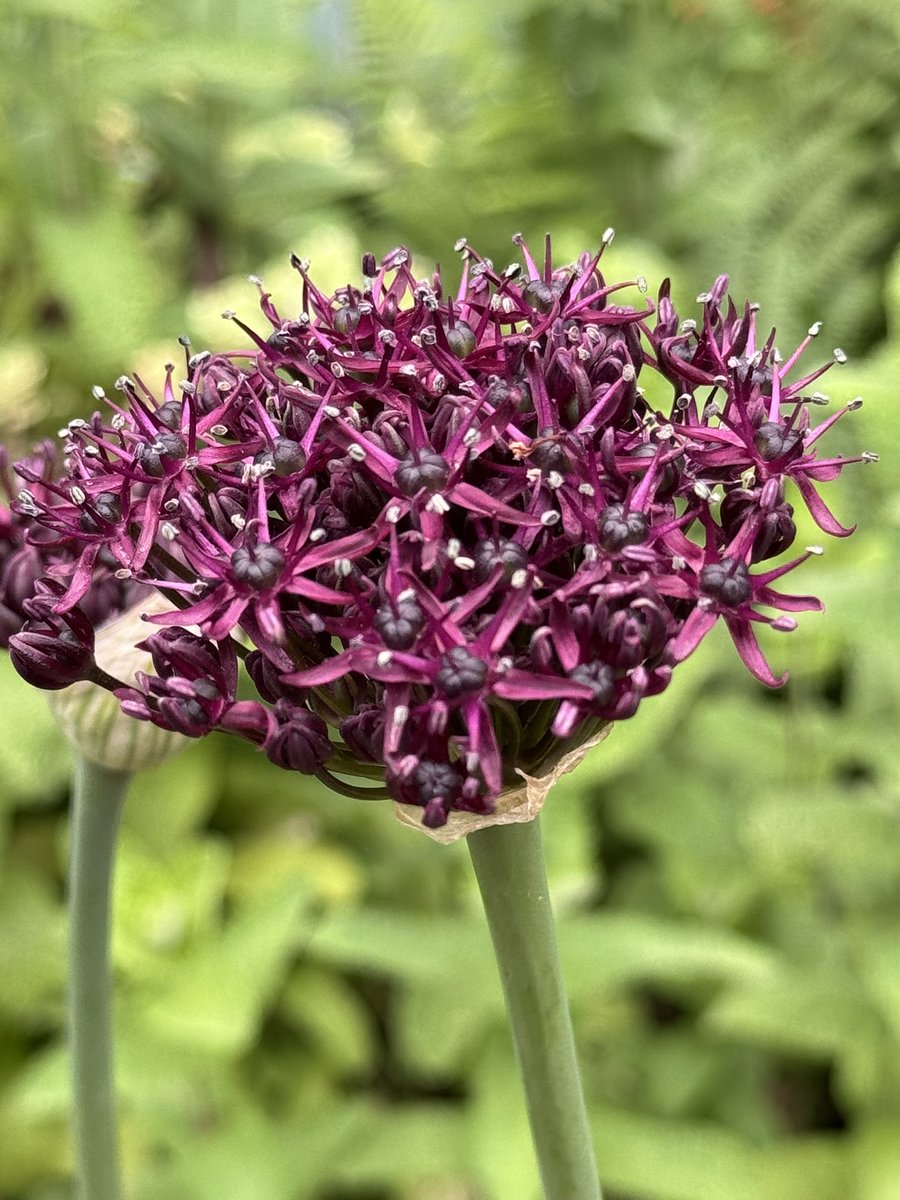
x=307 y=1005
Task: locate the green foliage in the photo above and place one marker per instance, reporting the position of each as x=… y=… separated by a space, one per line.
x=307 y=1006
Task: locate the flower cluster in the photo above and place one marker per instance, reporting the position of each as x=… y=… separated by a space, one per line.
x=448 y=536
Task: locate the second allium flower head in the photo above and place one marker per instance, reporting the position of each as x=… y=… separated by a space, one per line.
x=449 y=537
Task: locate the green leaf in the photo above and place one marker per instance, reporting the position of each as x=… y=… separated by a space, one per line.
x=217 y=995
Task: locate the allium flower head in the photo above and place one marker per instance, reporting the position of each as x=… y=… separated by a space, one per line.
x=446 y=532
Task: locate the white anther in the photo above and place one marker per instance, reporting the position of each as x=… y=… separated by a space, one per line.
x=549 y=518
x=406 y=594
x=318 y=534
x=356 y=452
x=784 y=624
x=519 y=579
x=554 y=480
x=123 y=573
x=703 y=298
x=387 y=336
x=393 y=514
x=331 y=410
x=122 y=383
x=628 y=373
x=471 y=436
x=438 y=383
x=869 y=456
x=218 y=430
x=384 y=658
x=608 y=235
x=512 y=271
x=689 y=326
x=407 y=765
x=678 y=563
x=839 y=355
x=313 y=358
x=77 y=495
x=408 y=369
x=815 y=329
x=855 y=404
x=437 y=504
x=238 y=521
x=586 y=489
x=702 y=491
x=401 y=715
x=819 y=398
x=196 y=359
x=187 y=387
x=464 y=563
x=641 y=284
x=337 y=370
x=664 y=432
x=92 y=451
x=343 y=567
x=228 y=314
x=460 y=244
x=97 y=392
x=172 y=505
x=591 y=553
x=254 y=279
x=77 y=423
x=168 y=531
x=816 y=550
x=454 y=545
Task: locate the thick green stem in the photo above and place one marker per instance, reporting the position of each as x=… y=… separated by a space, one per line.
x=97 y=807
x=509 y=865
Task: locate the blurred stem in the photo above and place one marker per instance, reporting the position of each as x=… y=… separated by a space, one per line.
x=97 y=808
x=509 y=865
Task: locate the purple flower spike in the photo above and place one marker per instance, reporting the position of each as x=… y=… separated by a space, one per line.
x=444 y=529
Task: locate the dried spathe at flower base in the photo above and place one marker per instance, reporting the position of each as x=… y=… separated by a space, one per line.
x=445 y=534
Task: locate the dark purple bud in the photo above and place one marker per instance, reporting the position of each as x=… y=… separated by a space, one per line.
x=259 y=566
x=667 y=480
x=169 y=415
x=369 y=266
x=437 y=781
x=300 y=741
x=175 y=651
x=460 y=672
x=599 y=677
x=287 y=457
x=776 y=533
x=51 y=655
x=399 y=623
x=773 y=440
x=363 y=731
x=727 y=581
x=550 y=456
x=345 y=319
x=153 y=457
x=461 y=338
x=504 y=553
x=619 y=528
x=518 y=394
x=422 y=469
x=538 y=295
x=101 y=509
